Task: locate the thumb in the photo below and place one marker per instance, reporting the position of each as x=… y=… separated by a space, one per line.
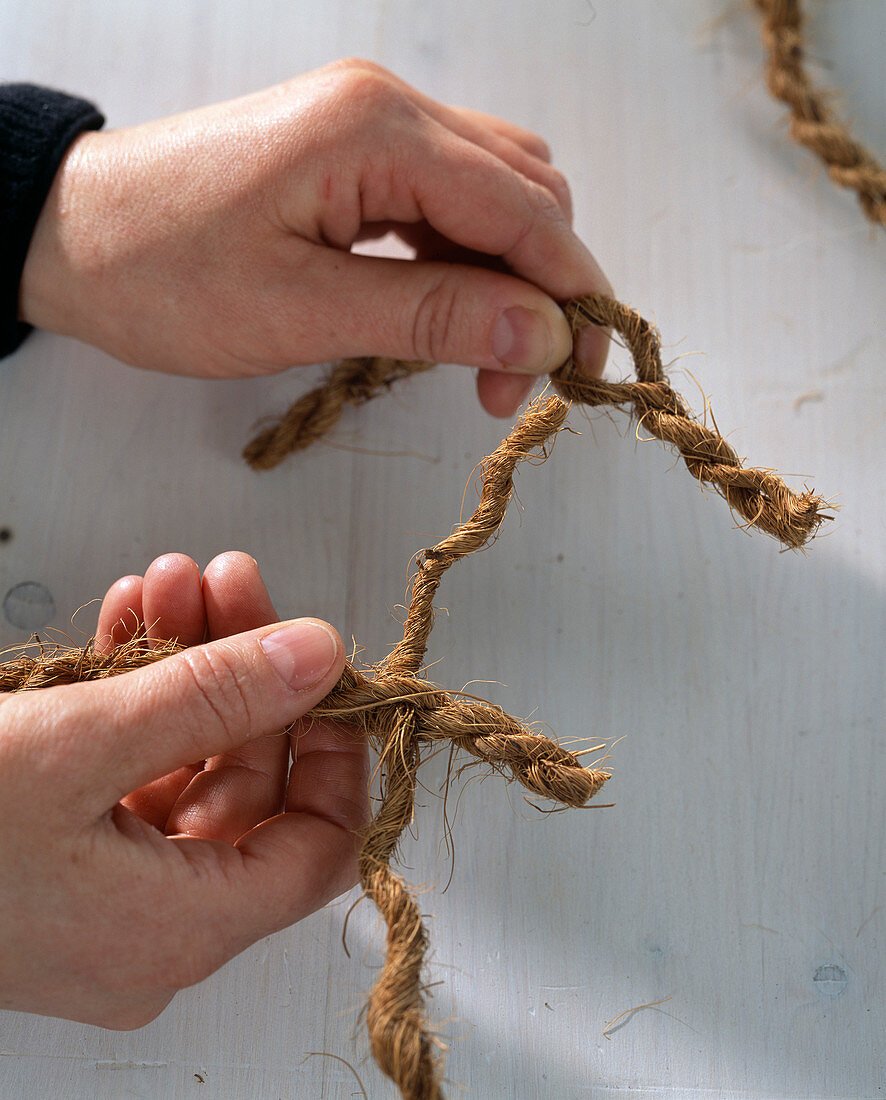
x=445 y=313
x=202 y=702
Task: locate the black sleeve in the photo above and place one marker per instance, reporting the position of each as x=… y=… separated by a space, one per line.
x=36 y=127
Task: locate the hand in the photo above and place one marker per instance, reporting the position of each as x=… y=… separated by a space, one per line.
x=152 y=827
x=218 y=242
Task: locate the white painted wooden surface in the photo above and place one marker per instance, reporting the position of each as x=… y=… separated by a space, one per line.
x=741 y=872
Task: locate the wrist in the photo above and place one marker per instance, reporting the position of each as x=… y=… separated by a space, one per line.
x=50 y=280
x=37 y=127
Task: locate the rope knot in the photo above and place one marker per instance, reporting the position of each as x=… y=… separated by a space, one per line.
x=399 y=713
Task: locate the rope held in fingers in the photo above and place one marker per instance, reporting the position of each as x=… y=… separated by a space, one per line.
x=760 y=497
x=401 y=714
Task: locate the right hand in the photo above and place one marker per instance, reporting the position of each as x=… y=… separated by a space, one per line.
x=218 y=242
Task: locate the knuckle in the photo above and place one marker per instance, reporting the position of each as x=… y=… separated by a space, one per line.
x=348 y=64
x=435 y=323
x=537 y=146
x=217 y=683
x=363 y=88
x=544 y=202
x=557 y=185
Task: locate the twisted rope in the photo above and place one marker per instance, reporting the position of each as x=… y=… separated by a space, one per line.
x=352 y=382
x=760 y=497
x=399 y=1035
x=399 y=713
x=813 y=124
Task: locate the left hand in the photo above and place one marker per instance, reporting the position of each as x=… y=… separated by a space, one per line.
x=152 y=824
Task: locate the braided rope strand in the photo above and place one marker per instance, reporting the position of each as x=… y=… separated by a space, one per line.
x=813 y=124
x=352 y=382
x=399 y=713
x=760 y=497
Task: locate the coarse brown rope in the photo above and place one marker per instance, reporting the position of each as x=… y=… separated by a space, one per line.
x=760 y=497
x=813 y=123
x=399 y=1036
x=352 y=382
x=399 y=713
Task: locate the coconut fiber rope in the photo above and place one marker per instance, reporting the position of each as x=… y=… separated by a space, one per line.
x=401 y=714
x=813 y=123
x=759 y=497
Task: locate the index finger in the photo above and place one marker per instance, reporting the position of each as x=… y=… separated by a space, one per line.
x=479 y=202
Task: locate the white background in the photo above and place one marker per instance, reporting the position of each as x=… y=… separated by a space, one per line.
x=744 y=855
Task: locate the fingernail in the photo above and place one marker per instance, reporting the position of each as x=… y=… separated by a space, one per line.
x=591 y=349
x=522 y=339
x=515 y=393
x=301 y=653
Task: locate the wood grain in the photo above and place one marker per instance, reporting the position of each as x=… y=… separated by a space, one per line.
x=741 y=872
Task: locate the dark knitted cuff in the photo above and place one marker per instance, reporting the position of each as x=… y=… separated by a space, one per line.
x=36 y=127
